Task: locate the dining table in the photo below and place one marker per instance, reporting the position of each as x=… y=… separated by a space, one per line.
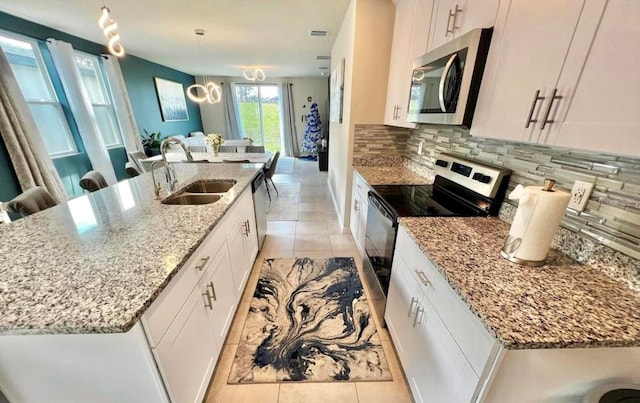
x=178 y=156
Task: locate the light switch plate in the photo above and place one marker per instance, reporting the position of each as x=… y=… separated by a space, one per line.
x=420 y=146
x=580 y=195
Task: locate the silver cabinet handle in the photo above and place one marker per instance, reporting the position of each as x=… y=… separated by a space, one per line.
x=536 y=98
x=203 y=262
x=248 y=228
x=546 y=115
x=413 y=301
x=207 y=300
x=356 y=207
x=213 y=290
x=452 y=14
x=415 y=319
x=245 y=230
x=423 y=278
x=443 y=81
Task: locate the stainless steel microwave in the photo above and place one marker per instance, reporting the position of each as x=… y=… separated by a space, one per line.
x=446 y=81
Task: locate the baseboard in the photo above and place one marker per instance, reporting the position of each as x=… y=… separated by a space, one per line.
x=335 y=206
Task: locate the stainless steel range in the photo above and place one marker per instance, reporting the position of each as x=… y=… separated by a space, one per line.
x=461 y=188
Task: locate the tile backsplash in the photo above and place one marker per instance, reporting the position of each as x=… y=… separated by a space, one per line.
x=379 y=140
x=612 y=215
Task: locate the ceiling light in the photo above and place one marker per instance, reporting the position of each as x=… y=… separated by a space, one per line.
x=109 y=26
x=255 y=74
x=212 y=91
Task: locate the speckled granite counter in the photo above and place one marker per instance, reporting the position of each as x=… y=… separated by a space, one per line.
x=391 y=175
x=561 y=304
x=94 y=264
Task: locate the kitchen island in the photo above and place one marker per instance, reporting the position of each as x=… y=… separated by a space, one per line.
x=90 y=289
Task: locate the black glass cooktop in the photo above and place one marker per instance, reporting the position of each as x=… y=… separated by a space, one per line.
x=428 y=201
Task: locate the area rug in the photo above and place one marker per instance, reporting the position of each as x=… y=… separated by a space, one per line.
x=309 y=320
x=285 y=165
x=284 y=204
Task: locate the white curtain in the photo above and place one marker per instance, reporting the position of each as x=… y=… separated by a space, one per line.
x=231 y=112
x=31 y=162
x=122 y=105
x=63 y=59
x=290 y=137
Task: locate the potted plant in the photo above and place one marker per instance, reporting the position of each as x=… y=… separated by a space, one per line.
x=151 y=143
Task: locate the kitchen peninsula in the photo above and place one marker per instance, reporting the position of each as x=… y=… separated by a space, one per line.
x=100 y=294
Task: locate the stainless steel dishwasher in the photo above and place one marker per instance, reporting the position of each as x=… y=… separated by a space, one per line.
x=259 y=189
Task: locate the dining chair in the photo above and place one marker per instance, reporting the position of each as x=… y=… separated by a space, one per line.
x=135 y=157
x=131 y=169
x=93 y=181
x=31 y=201
x=227 y=149
x=268 y=174
x=235 y=161
x=255 y=149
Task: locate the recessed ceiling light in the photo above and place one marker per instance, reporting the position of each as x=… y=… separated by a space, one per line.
x=324 y=73
x=319 y=32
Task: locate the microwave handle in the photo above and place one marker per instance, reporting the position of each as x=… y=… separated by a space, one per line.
x=443 y=80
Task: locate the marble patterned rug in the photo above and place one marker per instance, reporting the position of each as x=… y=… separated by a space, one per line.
x=309 y=320
x=283 y=205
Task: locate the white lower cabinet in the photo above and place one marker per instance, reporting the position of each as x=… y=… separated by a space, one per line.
x=220 y=299
x=243 y=248
x=359 y=208
x=431 y=354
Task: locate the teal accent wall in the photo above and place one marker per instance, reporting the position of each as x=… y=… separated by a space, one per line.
x=138 y=75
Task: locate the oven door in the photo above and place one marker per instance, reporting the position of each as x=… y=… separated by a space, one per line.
x=381 y=230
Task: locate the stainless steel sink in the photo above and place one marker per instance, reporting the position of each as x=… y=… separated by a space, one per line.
x=210 y=186
x=186 y=199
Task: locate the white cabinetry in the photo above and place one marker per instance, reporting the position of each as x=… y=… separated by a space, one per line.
x=410 y=35
x=243 y=248
x=443 y=348
x=359 y=207
x=452 y=18
x=556 y=74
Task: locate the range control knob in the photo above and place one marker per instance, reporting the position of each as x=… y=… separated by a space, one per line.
x=442 y=163
x=476 y=176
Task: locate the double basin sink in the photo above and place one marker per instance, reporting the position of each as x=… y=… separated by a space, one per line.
x=201 y=192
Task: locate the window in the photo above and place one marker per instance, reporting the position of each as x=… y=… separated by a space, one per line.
x=94 y=84
x=259 y=114
x=27 y=65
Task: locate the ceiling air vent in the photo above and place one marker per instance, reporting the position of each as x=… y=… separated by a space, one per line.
x=319 y=32
x=323 y=57
x=323 y=68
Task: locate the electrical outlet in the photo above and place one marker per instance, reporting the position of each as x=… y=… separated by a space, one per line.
x=580 y=195
x=420 y=145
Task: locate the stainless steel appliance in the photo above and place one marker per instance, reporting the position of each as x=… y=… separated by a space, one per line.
x=462 y=188
x=445 y=81
x=259 y=189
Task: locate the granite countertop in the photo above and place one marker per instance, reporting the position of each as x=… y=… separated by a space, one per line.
x=391 y=175
x=558 y=305
x=96 y=263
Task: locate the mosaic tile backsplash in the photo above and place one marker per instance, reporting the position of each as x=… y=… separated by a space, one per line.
x=612 y=215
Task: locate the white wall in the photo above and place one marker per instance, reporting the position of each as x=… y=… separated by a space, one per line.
x=303 y=87
x=364 y=42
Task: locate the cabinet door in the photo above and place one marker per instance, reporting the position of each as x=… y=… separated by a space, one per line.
x=439 y=371
x=603 y=113
x=251 y=239
x=363 y=206
x=475 y=14
x=235 y=243
x=402 y=303
x=441 y=22
x=399 y=61
x=529 y=45
x=220 y=296
x=188 y=352
x=354 y=216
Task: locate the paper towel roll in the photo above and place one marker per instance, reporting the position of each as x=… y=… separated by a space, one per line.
x=534 y=225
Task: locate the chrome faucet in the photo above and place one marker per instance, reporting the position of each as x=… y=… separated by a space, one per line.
x=169 y=173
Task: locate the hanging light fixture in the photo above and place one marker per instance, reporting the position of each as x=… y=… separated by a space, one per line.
x=109 y=26
x=255 y=74
x=212 y=91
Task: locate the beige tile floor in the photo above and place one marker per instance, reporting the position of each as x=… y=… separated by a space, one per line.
x=317 y=234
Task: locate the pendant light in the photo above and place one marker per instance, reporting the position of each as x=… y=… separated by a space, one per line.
x=255 y=74
x=109 y=26
x=212 y=91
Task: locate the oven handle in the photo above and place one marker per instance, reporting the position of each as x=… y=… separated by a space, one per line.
x=382 y=207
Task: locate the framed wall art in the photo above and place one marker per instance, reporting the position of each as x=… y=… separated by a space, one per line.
x=173 y=104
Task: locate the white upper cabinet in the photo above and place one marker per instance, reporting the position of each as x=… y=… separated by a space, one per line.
x=452 y=18
x=410 y=35
x=528 y=47
x=558 y=74
x=603 y=112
